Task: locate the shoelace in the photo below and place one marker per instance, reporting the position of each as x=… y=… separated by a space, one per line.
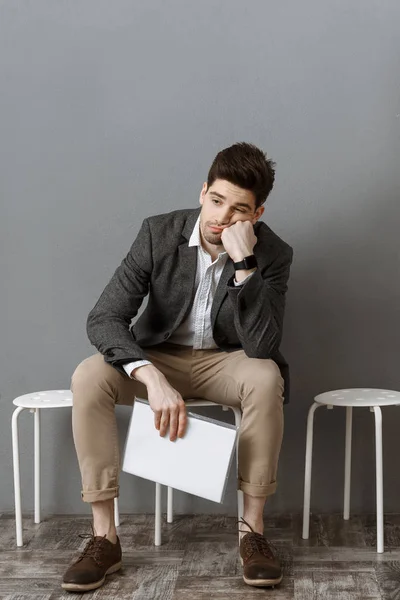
x=93 y=548
x=256 y=542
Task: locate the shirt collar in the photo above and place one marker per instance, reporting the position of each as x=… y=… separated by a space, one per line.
x=195 y=239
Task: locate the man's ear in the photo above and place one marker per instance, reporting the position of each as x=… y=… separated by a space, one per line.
x=257 y=214
x=203 y=192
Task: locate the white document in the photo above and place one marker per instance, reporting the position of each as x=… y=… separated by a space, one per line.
x=198 y=463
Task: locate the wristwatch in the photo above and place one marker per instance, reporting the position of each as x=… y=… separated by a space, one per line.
x=249 y=262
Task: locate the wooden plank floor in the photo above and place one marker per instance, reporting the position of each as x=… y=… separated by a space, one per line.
x=199 y=559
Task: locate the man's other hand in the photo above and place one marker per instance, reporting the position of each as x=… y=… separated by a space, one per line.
x=167 y=404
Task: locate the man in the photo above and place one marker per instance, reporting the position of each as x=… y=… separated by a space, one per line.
x=216 y=279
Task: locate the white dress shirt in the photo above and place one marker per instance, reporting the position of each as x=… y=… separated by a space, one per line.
x=196 y=329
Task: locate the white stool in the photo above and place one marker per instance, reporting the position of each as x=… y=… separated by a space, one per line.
x=157 y=533
x=34 y=403
x=372 y=399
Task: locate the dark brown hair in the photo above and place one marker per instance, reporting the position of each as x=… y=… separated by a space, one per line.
x=246 y=166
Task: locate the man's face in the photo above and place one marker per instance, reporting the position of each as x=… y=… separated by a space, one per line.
x=224 y=204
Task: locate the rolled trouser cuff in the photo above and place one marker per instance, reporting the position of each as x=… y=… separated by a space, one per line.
x=100 y=495
x=256 y=490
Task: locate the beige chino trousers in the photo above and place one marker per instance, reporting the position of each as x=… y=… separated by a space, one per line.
x=228 y=378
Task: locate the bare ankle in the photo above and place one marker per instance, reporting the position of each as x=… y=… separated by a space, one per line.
x=110 y=534
x=252 y=524
x=103 y=520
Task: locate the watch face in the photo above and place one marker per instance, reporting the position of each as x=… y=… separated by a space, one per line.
x=251 y=262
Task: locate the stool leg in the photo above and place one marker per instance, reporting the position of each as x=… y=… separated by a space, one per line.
x=347 y=464
x=170 y=505
x=307 y=475
x=17 y=475
x=116 y=513
x=238 y=420
x=157 y=535
x=37 y=463
x=379 y=479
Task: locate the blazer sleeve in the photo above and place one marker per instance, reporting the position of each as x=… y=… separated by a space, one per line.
x=109 y=321
x=259 y=306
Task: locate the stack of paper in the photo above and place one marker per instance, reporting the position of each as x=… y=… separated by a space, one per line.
x=198 y=463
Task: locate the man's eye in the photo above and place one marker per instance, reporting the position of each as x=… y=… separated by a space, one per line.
x=216 y=201
x=240 y=210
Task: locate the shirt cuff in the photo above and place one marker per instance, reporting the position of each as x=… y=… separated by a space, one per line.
x=238 y=284
x=128 y=368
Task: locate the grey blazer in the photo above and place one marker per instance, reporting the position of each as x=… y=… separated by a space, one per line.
x=161 y=264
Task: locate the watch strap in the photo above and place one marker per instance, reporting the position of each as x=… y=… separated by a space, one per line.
x=249 y=262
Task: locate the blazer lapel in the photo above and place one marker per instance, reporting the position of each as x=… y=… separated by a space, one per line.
x=187 y=266
x=190 y=223
x=187 y=270
x=221 y=290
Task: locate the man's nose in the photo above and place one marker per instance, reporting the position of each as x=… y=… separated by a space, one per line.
x=224 y=216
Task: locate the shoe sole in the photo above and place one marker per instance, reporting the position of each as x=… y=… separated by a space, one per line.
x=263 y=582
x=86 y=587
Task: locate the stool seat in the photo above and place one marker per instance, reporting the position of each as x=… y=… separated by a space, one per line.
x=47 y=399
x=359 y=397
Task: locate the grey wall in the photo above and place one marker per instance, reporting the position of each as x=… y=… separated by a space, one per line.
x=112 y=111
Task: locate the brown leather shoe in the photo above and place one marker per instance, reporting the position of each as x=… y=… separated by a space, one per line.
x=100 y=558
x=261 y=567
